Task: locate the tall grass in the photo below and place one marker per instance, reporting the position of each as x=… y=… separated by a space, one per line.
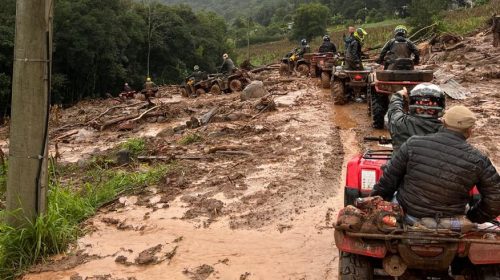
x=465 y=21
x=261 y=54
x=67 y=206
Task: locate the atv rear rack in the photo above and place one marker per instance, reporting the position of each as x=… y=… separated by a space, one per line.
x=378 y=154
x=388 y=237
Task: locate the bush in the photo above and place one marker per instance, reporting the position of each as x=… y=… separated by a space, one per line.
x=310 y=21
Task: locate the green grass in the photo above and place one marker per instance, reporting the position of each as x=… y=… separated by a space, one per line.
x=3 y=179
x=134 y=145
x=465 y=21
x=67 y=207
x=190 y=138
x=266 y=53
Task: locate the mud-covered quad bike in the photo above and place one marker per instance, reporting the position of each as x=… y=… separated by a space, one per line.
x=322 y=65
x=384 y=245
x=191 y=88
x=293 y=62
x=350 y=84
x=388 y=82
x=222 y=83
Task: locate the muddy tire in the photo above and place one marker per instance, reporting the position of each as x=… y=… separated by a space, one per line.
x=312 y=72
x=284 y=69
x=215 y=90
x=200 y=91
x=303 y=69
x=484 y=272
x=379 y=106
x=235 y=85
x=338 y=93
x=184 y=92
x=354 y=267
x=325 y=80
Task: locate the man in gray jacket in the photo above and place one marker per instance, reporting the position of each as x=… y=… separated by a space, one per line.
x=434 y=174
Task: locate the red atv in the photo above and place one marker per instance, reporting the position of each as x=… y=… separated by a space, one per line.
x=322 y=65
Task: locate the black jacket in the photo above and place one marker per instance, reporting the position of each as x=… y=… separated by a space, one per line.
x=227 y=66
x=402 y=125
x=434 y=174
x=327 y=46
x=388 y=50
x=353 y=51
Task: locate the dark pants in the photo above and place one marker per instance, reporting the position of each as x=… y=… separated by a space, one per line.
x=353 y=65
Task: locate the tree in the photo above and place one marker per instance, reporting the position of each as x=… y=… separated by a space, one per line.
x=423 y=12
x=310 y=20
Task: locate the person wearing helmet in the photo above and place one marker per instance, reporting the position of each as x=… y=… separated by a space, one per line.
x=304 y=48
x=434 y=174
x=350 y=37
x=327 y=45
x=353 y=52
x=398 y=47
x=150 y=90
x=197 y=74
x=227 y=65
x=127 y=88
x=427 y=103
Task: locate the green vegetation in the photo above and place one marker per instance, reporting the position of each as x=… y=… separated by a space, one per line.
x=69 y=204
x=311 y=20
x=462 y=22
x=134 y=145
x=100 y=45
x=190 y=138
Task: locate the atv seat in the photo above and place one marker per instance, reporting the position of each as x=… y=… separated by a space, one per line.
x=402 y=64
x=405 y=75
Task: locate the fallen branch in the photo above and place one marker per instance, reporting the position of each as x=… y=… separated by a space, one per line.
x=418 y=31
x=150 y=158
x=145 y=112
x=116 y=120
x=205 y=119
x=66 y=135
x=112 y=108
x=244 y=153
x=222 y=148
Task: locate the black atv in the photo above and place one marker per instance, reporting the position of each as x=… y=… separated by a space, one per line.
x=293 y=62
x=223 y=83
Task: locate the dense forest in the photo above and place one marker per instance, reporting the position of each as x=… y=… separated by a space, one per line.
x=101 y=44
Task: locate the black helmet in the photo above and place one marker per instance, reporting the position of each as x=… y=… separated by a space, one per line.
x=427 y=101
x=303 y=42
x=326 y=38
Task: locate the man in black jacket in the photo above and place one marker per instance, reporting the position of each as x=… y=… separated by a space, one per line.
x=398 y=47
x=427 y=102
x=353 y=52
x=327 y=45
x=434 y=174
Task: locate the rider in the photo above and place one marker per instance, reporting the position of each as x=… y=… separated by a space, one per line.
x=433 y=174
x=349 y=38
x=427 y=102
x=327 y=45
x=228 y=65
x=304 y=48
x=398 y=47
x=197 y=75
x=353 y=52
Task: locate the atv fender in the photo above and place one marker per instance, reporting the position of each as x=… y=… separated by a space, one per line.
x=484 y=253
x=374 y=248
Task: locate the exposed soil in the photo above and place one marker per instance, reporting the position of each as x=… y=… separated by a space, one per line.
x=263 y=211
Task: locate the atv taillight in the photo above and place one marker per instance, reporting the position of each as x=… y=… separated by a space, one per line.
x=358 y=77
x=427 y=251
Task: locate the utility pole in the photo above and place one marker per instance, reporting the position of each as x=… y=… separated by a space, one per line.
x=149 y=35
x=27 y=176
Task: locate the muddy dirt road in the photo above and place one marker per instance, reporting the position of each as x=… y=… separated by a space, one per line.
x=262 y=213
x=275 y=208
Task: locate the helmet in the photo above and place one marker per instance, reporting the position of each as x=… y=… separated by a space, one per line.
x=225 y=56
x=196 y=68
x=400 y=30
x=326 y=38
x=148 y=79
x=360 y=34
x=427 y=100
x=303 y=42
x=126 y=84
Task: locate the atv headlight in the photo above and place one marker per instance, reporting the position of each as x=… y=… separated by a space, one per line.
x=368 y=179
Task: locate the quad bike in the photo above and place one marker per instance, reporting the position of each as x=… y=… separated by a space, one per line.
x=293 y=62
x=387 y=82
x=350 y=84
x=191 y=88
x=322 y=65
x=382 y=243
x=221 y=83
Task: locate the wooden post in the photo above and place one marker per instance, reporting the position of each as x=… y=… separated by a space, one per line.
x=27 y=176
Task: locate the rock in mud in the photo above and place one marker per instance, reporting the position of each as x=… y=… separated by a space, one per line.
x=123 y=157
x=200 y=273
x=148 y=256
x=254 y=90
x=76 y=277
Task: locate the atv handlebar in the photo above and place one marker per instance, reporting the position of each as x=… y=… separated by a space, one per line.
x=380 y=139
